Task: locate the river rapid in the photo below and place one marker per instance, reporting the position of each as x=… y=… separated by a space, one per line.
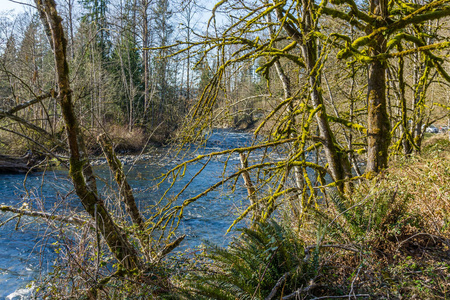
x=26 y=250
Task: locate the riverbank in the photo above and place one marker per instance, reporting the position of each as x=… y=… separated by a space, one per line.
x=399 y=229
x=130 y=146
x=10 y=164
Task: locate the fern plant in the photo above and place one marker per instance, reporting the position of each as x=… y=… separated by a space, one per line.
x=252 y=265
x=354 y=218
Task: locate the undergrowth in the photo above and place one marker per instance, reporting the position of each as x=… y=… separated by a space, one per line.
x=388 y=240
x=265 y=260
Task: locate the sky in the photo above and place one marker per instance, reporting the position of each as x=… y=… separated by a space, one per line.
x=6 y=5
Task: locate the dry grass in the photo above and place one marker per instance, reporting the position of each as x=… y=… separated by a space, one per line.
x=427 y=182
x=398 y=227
x=127 y=140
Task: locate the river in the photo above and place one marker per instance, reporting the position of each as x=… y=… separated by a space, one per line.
x=26 y=250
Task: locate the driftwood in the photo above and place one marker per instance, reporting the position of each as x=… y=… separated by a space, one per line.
x=9 y=164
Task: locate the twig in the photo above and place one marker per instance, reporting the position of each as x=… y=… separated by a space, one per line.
x=421 y=233
x=353 y=282
x=277 y=286
x=350 y=208
x=299 y=291
x=10 y=219
x=92 y=293
x=169 y=247
x=22 y=3
x=344 y=247
x=29 y=102
x=346 y=296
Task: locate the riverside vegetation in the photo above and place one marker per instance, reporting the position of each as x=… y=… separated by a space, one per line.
x=389 y=240
x=344 y=199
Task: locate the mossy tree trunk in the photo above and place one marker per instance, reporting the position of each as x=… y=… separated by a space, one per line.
x=338 y=163
x=386 y=23
x=287 y=90
x=80 y=169
x=378 y=139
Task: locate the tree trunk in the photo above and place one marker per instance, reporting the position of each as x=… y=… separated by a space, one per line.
x=80 y=169
x=125 y=189
x=338 y=164
x=406 y=142
x=287 y=89
x=145 y=44
x=379 y=136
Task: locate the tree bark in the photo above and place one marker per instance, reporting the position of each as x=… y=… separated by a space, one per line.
x=124 y=188
x=145 y=44
x=406 y=142
x=44 y=215
x=379 y=136
x=251 y=191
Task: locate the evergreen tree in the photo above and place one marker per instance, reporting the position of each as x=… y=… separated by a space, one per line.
x=96 y=15
x=126 y=65
x=164 y=30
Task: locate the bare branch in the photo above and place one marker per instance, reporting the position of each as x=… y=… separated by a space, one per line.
x=277 y=286
x=25 y=104
x=45 y=215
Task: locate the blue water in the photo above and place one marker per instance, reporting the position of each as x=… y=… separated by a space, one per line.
x=25 y=247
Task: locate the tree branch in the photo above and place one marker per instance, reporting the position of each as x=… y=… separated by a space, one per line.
x=426 y=48
x=277 y=286
x=25 y=104
x=48 y=216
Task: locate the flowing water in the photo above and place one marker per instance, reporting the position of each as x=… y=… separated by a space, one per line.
x=26 y=244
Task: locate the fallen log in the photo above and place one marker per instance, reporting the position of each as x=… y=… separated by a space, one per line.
x=9 y=164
